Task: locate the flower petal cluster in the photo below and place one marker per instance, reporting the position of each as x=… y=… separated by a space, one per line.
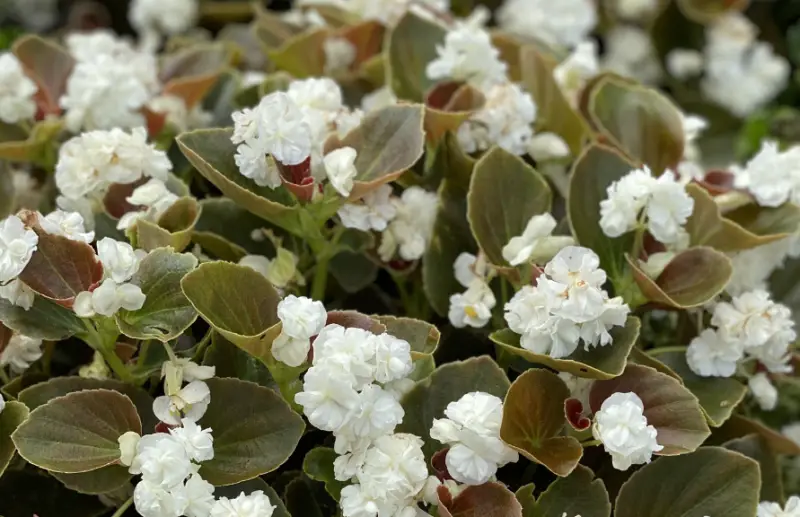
x=629 y=51
x=622 y=427
x=154 y=198
x=574 y=72
x=567 y=305
x=17 y=91
x=474 y=306
x=663 y=201
x=536 y=242
x=763 y=391
x=565 y=23
x=772 y=176
x=66 y=224
x=17 y=244
x=120 y=261
x=771 y=509
x=164 y=16
x=189 y=402
x=505 y=120
x=18 y=294
x=108 y=298
x=255 y=504
x=472 y=431
x=20 y=352
x=409 y=233
x=341 y=169
x=371 y=212
x=302 y=318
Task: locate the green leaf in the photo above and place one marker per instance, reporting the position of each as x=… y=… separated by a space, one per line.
x=224 y=230
x=11 y=417
x=60 y=268
x=555 y=113
x=255 y=431
x=388 y=142
x=505 y=192
x=301 y=499
x=166 y=312
x=448 y=383
x=43 y=392
x=668 y=406
x=691 y=279
x=533 y=421
x=302 y=55
x=190 y=73
x=577 y=494
x=718 y=396
x=640 y=121
x=211 y=152
x=100 y=481
x=411 y=45
x=353 y=271
x=422 y=336
x=594 y=171
x=49 y=65
x=318 y=465
x=237 y=301
x=17 y=145
x=447 y=106
x=77 y=432
x=738 y=426
x=756 y=447
x=36 y=493
x=174 y=227
x=231 y=361
x=44 y=320
x=489 y=499
x=767 y=221
x=604 y=362
x=711 y=481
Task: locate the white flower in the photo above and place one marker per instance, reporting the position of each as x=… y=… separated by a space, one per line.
x=473 y=307
x=536 y=242
x=18 y=294
x=302 y=319
x=341 y=170
x=189 y=403
x=180 y=370
x=410 y=231
x=66 y=224
x=573 y=73
x=753 y=267
x=328 y=397
x=772 y=176
x=564 y=23
x=108 y=299
x=505 y=120
x=463 y=269
x=17 y=244
x=2 y=403
x=153 y=195
x=152 y=500
x=128 y=443
x=684 y=63
x=120 y=261
x=178 y=115
x=392 y=358
x=199 y=443
x=372 y=212
x=254 y=505
x=710 y=355
x=770 y=509
x=668 y=208
x=468 y=55
x=166 y=16
x=622 y=427
x=753 y=319
x=378 y=99
x=472 y=430
x=763 y=390
x=20 y=352
x=545 y=147
x=629 y=51
x=339 y=54
x=161 y=459
x=17 y=91
x=199 y=496
x=626 y=197
x=635 y=9
x=377 y=414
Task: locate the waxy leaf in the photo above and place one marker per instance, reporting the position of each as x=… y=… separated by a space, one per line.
x=191 y=72
x=318 y=465
x=231 y=361
x=166 y=312
x=504 y=194
x=225 y=230
x=718 y=396
x=489 y=499
x=757 y=448
x=17 y=145
x=255 y=431
x=638 y=120
x=691 y=279
x=49 y=65
x=577 y=494
x=100 y=481
x=388 y=142
x=711 y=481
x=555 y=113
x=302 y=55
x=174 y=227
x=448 y=383
x=766 y=221
x=738 y=426
x=602 y=362
x=447 y=106
x=668 y=406
x=211 y=152
x=77 y=432
x=533 y=421
x=594 y=171
x=237 y=301
x=422 y=336
x=13 y=414
x=44 y=320
x=61 y=268
x=411 y=45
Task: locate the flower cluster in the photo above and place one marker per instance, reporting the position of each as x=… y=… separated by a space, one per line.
x=301 y=319
x=771 y=176
x=772 y=509
x=183 y=402
x=151 y=18
x=16 y=96
x=567 y=305
x=662 y=201
x=20 y=352
x=474 y=306
x=751 y=325
x=120 y=262
x=621 y=426
x=472 y=432
x=17 y=244
x=565 y=23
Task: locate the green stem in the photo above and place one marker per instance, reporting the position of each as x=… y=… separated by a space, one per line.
x=591 y=443
x=116 y=365
x=320 y=281
x=405 y=298
x=231 y=11
x=4 y=376
x=121 y=510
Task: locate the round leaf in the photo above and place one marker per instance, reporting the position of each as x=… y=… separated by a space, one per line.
x=738 y=426
x=448 y=383
x=318 y=465
x=44 y=320
x=711 y=481
x=166 y=312
x=533 y=421
x=668 y=406
x=489 y=499
x=11 y=417
x=49 y=65
x=604 y=362
x=411 y=45
x=174 y=227
x=225 y=229
x=77 y=432
x=577 y=494
x=757 y=448
x=255 y=431
x=96 y=482
x=505 y=192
